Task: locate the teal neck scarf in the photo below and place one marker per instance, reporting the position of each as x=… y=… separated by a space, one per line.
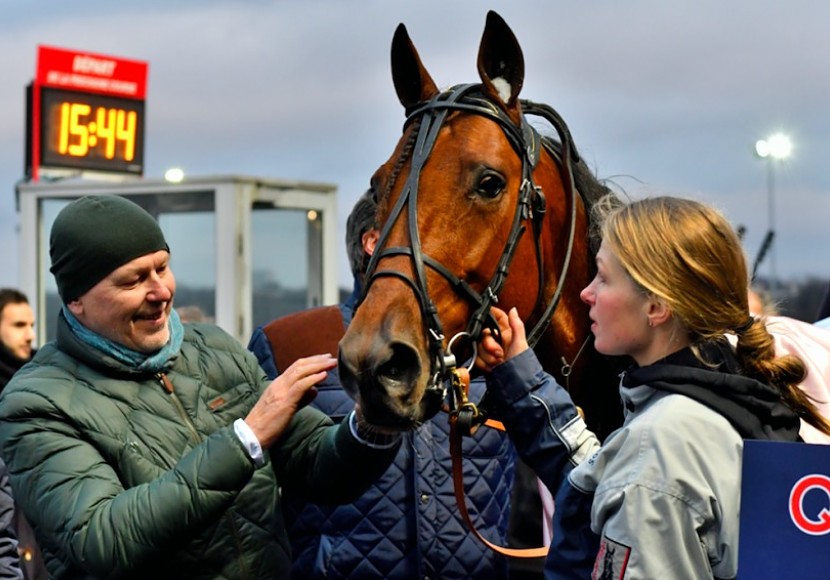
x=151 y=363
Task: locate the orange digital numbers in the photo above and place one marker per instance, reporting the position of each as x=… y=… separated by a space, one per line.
x=81 y=129
x=125 y=131
x=92 y=131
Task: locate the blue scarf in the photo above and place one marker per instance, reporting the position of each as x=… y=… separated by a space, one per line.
x=151 y=363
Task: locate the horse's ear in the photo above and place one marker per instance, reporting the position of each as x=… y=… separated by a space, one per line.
x=412 y=81
x=501 y=64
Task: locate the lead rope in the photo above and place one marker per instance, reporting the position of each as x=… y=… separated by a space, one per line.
x=463 y=421
x=458 y=477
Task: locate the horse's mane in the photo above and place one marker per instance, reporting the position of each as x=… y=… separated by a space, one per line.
x=590 y=188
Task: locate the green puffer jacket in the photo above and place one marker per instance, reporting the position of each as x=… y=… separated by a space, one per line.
x=122 y=478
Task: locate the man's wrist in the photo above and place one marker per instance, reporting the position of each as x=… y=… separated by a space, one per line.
x=249 y=442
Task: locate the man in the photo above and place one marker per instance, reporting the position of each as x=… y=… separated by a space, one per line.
x=407 y=525
x=140 y=448
x=17 y=331
x=811 y=343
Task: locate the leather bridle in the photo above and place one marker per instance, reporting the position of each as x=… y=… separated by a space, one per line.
x=527 y=143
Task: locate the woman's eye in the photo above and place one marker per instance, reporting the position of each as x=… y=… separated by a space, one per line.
x=490 y=186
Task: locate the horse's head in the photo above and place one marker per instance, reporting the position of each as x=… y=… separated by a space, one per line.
x=474 y=211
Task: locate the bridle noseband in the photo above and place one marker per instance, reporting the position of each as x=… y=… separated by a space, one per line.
x=527 y=143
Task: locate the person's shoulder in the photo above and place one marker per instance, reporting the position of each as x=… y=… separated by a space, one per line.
x=49 y=376
x=666 y=425
x=786 y=328
x=674 y=416
x=211 y=336
x=675 y=435
x=327 y=315
x=48 y=362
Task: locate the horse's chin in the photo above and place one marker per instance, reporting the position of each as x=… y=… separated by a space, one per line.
x=385 y=422
x=388 y=417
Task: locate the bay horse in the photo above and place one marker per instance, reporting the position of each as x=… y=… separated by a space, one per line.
x=476 y=209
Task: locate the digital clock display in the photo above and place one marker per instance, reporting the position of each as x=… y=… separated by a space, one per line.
x=90 y=131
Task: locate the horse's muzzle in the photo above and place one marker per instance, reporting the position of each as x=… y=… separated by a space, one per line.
x=385 y=380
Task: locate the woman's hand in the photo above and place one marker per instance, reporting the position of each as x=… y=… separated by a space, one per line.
x=513 y=340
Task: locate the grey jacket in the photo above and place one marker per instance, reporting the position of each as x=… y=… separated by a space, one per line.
x=660 y=498
x=667 y=489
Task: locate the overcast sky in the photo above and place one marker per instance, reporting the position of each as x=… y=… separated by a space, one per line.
x=661 y=97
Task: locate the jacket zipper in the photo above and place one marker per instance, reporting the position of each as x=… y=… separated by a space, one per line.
x=167 y=385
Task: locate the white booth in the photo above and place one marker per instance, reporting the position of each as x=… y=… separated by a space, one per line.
x=244 y=250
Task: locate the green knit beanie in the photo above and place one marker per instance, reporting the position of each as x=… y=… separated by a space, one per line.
x=94 y=235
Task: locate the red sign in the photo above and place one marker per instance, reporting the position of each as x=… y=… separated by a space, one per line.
x=86 y=113
x=88 y=72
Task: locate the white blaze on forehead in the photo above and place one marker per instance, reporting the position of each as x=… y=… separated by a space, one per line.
x=503 y=88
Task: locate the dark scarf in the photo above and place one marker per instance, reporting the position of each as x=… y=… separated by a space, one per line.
x=754 y=409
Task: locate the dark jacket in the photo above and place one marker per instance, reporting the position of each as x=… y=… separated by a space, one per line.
x=406 y=525
x=9 y=557
x=121 y=477
x=9 y=364
x=31 y=559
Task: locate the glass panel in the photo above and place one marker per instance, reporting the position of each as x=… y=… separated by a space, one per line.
x=192 y=239
x=281 y=240
x=50 y=208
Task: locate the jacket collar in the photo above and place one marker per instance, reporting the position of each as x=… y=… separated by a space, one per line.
x=754 y=409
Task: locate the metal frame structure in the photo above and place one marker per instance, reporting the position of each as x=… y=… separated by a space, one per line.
x=234 y=200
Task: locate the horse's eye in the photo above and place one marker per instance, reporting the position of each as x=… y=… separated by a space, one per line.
x=490 y=186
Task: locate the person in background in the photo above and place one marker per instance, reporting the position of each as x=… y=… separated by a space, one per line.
x=17 y=332
x=660 y=498
x=142 y=448
x=811 y=344
x=406 y=525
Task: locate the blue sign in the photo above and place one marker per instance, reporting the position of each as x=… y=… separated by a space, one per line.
x=785 y=511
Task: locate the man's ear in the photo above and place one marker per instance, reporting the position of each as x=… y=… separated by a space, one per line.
x=76 y=307
x=658 y=311
x=370 y=240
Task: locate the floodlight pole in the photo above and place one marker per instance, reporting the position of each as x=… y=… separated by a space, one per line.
x=777 y=147
x=773 y=266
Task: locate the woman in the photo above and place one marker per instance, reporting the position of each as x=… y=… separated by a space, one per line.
x=662 y=493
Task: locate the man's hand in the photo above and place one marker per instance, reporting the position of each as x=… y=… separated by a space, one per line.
x=513 y=340
x=289 y=392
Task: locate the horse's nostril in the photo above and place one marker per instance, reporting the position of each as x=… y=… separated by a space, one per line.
x=402 y=367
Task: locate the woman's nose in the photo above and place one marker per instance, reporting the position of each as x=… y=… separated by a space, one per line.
x=586 y=295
